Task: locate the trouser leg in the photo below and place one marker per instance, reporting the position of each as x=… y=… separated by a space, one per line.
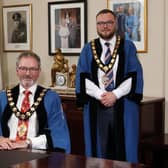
x=105 y=122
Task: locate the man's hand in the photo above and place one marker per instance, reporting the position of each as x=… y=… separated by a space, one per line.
x=5 y=144
x=20 y=144
x=108 y=99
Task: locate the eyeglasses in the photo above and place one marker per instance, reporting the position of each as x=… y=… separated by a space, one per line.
x=25 y=69
x=108 y=23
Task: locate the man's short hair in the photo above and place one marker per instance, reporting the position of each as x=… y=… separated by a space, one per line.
x=105 y=11
x=16 y=16
x=29 y=54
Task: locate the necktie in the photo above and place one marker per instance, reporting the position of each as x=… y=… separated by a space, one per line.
x=23 y=124
x=107 y=53
x=109 y=82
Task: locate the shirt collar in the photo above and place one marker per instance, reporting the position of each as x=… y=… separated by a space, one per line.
x=111 y=41
x=32 y=89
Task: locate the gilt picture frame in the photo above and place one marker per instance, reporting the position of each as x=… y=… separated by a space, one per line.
x=132 y=21
x=17 y=27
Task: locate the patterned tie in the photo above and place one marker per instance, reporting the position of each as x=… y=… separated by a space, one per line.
x=109 y=84
x=23 y=124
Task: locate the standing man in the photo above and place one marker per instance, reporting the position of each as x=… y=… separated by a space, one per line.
x=73 y=28
x=30 y=115
x=110 y=91
x=121 y=16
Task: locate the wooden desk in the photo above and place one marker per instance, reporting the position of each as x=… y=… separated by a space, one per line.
x=36 y=159
x=18 y=156
x=151 y=120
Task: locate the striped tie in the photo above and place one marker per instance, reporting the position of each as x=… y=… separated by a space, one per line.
x=109 y=85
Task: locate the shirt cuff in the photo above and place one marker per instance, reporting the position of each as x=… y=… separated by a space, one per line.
x=117 y=93
x=93 y=90
x=39 y=142
x=123 y=89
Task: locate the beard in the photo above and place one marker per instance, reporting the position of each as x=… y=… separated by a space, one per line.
x=27 y=82
x=105 y=36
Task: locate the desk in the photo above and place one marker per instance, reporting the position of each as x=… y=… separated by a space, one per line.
x=36 y=159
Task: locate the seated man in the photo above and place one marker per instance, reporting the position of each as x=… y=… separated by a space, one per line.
x=30 y=115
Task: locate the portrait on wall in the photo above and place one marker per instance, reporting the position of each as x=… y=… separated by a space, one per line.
x=66 y=26
x=17 y=27
x=131 y=21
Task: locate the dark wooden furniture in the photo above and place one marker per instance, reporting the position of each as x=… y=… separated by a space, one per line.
x=75 y=122
x=151 y=120
x=152 y=133
x=154 y=151
x=39 y=159
x=152 y=111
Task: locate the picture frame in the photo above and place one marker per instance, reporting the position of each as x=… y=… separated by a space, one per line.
x=67 y=26
x=17 y=27
x=132 y=21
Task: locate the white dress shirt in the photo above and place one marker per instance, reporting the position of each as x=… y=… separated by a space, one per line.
x=95 y=91
x=39 y=142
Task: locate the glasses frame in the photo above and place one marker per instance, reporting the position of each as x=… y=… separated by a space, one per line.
x=30 y=69
x=108 y=23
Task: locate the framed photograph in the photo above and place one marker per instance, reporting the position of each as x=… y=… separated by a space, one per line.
x=17 y=27
x=67 y=26
x=132 y=21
